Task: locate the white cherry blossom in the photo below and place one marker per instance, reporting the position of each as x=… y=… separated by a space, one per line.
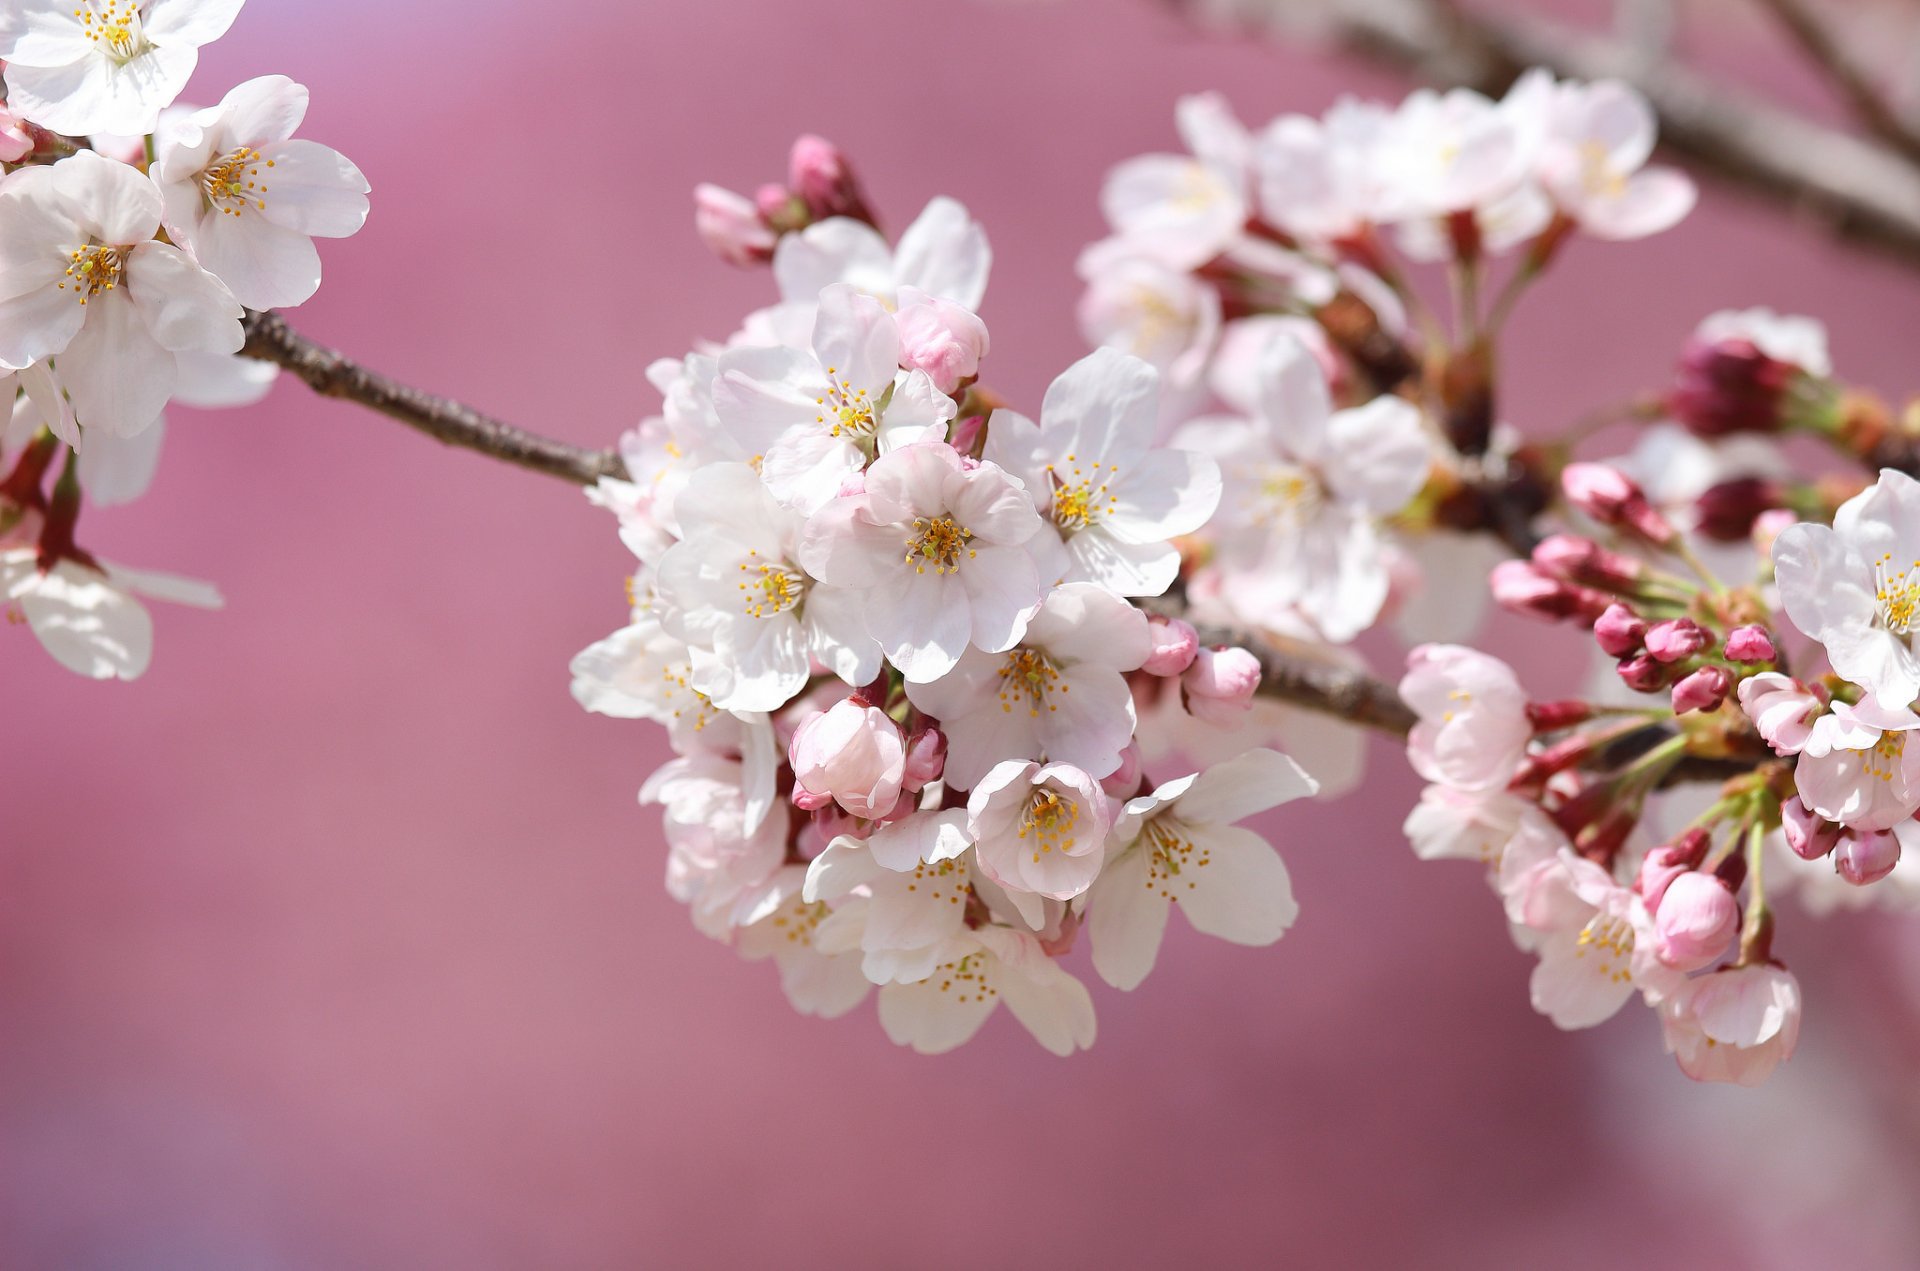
x=1180 y=843
x=88 y=617
x=975 y=972
x=1473 y=728
x=1183 y=210
x=1039 y=829
x=781 y=924
x=1591 y=152
x=1737 y=1025
x=1857 y=767
x=944 y=253
x=246 y=200
x=104 y=66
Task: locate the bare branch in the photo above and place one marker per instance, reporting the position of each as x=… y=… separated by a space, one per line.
x=1858 y=190
x=328 y=373
x=1845 y=75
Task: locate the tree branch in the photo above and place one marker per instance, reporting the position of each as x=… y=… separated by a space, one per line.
x=328 y=373
x=1861 y=192
x=1845 y=75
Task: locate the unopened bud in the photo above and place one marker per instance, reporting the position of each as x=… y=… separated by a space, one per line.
x=1809 y=835
x=1609 y=497
x=819 y=173
x=731 y=226
x=926 y=759
x=1677 y=639
x=1220 y=684
x=1175 y=645
x=1704 y=690
x=1750 y=644
x=1581 y=560
x=1697 y=920
x=1520 y=587
x=1866 y=856
x=1642 y=674
x=1124 y=782
x=1728 y=385
x=1726 y=512
x=1619 y=631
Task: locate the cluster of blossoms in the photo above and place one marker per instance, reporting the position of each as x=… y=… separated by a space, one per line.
x=900 y=637
x=134 y=234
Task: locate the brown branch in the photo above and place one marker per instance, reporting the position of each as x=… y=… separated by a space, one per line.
x=1845 y=75
x=1860 y=191
x=328 y=373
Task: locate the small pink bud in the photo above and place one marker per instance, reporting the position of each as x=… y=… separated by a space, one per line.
x=1520 y=587
x=1605 y=494
x=1750 y=644
x=1677 y=639
x=1642 y=674
x=1728 y=385
x=1175 y=645
x=807 y=801
x=1809 y=835
x=1866 y=856
x=1218 y=688
x=1768 y=526
x=1619 y=630
x=968 y=434
x=926 y=759
x=1124 y=782
x=1704 y=690
x=1581 y=560
x=939 y=337
x=1658 y=869
x=731 y=226
x=819 y=173
x=1697 y=920
x=852 y=753
x=1726 y=512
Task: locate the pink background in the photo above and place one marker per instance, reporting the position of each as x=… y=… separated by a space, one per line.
x=338 y=940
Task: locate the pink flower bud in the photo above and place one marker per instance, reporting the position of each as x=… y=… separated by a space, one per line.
x=1605 y=494
x=1677 y=639
x=731 y=226
x=1768 y=526
x=1696 y=922
x=940 y=338
x=1642 y=674
x=1782 y=710
x=1750 y=644
x=807 y=801
x=1619 y=630
x=926 y=759
x=1704 y=690
x=819 y=173
x=16 y=142
x=853 y=754
x=1124 y=782
x=1658 y=869
x=1581 y=560
x=1520 y=587
x=1809 y=835
x=1175 y=645
x=1219 y=686
x=1728 y=385
x=1726 y=512
x=1866 y=856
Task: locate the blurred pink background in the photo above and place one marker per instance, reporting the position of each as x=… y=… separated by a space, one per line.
x=339 y=941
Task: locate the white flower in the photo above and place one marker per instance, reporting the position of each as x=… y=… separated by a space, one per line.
x=734 y=593
x=976 y=971
x=86 y=284
x=1473 y=728
x=944 y=253
x=246 y=201
x=1321 y=179
x=1857 y=768
x=1112 y=497
x=781 y=924
x=1180 y=210
x=1180 y=843
x=938 y=547
x=1060 y=694
x=1736 y=1025
x=1141 y=306
x=104 y=66
x=86 y=617
x=914 y=877
x=722 y=845
x=1448 y=152
x=815 y=419
x=1591 y=152
x=1303 y=486
x=1476 y=825
x=1039 y=829
x=1855 y=587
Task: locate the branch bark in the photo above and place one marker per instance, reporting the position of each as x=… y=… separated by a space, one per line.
x=331 y=374
x=1846 y=76
x=1859 y=191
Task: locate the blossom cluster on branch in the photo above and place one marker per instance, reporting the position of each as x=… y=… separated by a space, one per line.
x=952 y=685
x=134 y=234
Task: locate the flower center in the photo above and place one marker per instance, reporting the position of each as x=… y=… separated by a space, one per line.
x=938 y=542
x=231 y=182
x=1897 y=594
x=116 y=29
x=1171 y=854
x=966 y=979
x=1028 y=674
x=846 y=412
x=1610 y=938
x=1288 y=494
x=1597 y=174
x=797 y=926
x=95 y=269
x=769 y=587
x=1048 y=822
x=946 y=880
x=1883 y=760
x=1081 y=496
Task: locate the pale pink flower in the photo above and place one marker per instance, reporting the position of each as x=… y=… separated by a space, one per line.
x=1218 y=687
x=1781 y=708
x=939 y=337
x=976 y=971
x=1736 y=1025
x=1039 y=829
x=1695 y=921
x=1473 y=727
x=853 y=753
x=1857 y=768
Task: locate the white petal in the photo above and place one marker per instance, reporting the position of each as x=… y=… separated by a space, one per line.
x=1241 y=894
x=1126 y=919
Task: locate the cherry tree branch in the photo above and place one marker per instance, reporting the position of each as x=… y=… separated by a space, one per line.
x=1859 y=191
x=331 y=374
x=1845 y=75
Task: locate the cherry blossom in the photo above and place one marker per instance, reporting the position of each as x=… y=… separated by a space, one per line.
x=943 y=253
x=87 y=615
x=104 y=66
x=1039 y=829
x=1736 y=1025
x=1473 y=728
x=976 y=971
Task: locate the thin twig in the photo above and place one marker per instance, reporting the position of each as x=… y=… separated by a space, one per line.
x=1845 y=75
x=330 y=374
